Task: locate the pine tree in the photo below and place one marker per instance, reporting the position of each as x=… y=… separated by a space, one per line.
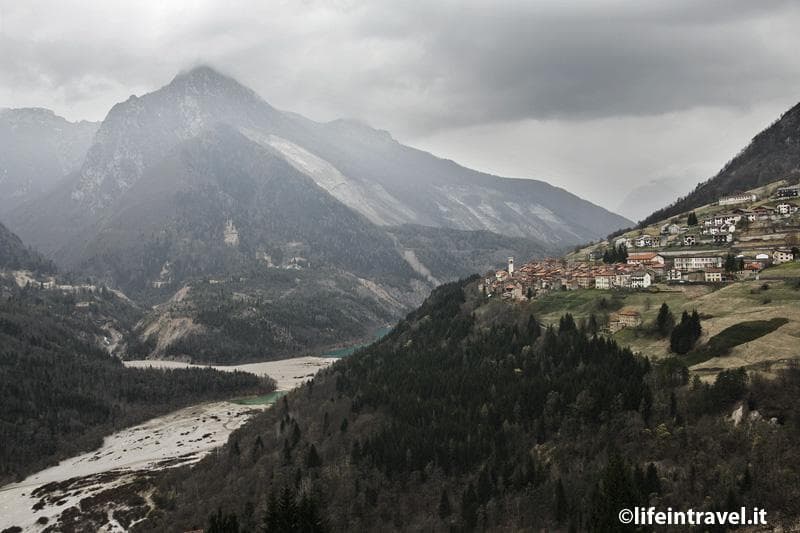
x=593 y=327
x=258 y=448
x=485 y=486
x=731 y=263
x=616 y=492
x=652 y=482
x=695 y=328
x=287 y=511
x=673 y=404
x=312 y=458
x=220 y=522
x=534 y=329
x=560 y=502
x=566 y=323
x=685 y=334
x=309 y=518
x=271 y=517
x=444 y=505
x=469 y=507
x=665 y=320
x=622 y=254
x=692 y=219
x=747 y=481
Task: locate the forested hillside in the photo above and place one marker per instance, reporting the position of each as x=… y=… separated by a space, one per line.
x=773 y=154
x=61 y=394
x=470 y=415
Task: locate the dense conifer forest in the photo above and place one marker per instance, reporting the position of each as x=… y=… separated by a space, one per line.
x=61 y=394
x=472 y=415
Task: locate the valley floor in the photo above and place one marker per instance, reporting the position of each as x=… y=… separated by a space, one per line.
x=287 y=373
x=87 y=484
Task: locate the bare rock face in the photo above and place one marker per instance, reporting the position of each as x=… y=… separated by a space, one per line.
x=739 y=414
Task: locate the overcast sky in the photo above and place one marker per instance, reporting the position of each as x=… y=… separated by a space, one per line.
x=595 y=96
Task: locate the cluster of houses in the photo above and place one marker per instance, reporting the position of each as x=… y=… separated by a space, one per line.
x=670 y=258
x=639 y=271
x=719 y=228
x=539 y=277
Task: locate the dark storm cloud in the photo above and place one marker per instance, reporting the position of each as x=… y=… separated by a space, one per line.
x=496 y=61
x=430 y=65
x=451 y=76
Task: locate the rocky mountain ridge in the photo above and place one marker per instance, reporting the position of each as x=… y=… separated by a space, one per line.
x=37 y=149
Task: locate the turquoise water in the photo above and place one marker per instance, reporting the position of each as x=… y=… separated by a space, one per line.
x=267 y=399
x=344 y=352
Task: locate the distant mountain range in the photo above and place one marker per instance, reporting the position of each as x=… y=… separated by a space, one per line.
x=37 y=149
x=364 y=168
x=254 y=229
x=773 y=154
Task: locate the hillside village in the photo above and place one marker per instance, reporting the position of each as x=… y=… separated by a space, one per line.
x=730 y=241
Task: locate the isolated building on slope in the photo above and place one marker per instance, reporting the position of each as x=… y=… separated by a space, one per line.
x=735 y=199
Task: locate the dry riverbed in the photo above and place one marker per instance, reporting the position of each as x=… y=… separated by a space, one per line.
x=110 y=487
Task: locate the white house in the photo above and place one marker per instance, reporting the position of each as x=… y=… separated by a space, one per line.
x=782 y=255
x=674 y=275
x=737 y=199
x=686 y=263
x=786 y=208
x=622 y=280
x=604 y=281
x=641 y=279
x=788 y=192
x=645 y=241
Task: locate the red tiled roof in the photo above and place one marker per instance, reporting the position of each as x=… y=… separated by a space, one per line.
x=642 y=255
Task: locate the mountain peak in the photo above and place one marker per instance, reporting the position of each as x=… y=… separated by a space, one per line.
x=204 y=78
x=201 y=72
